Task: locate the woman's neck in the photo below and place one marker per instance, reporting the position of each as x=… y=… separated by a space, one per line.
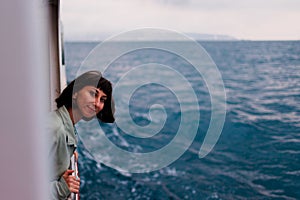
x=74 y=115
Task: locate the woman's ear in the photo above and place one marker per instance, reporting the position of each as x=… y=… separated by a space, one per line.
x=74 y=96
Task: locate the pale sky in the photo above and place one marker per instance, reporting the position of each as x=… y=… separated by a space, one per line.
x=242 y=19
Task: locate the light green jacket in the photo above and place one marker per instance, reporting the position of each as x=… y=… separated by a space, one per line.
x=63 y=142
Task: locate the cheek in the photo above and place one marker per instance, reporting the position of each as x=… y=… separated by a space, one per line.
x=101 y=106
x=82 y=100
x=85 y=98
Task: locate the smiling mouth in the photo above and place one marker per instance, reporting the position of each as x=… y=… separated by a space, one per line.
x=91 y=109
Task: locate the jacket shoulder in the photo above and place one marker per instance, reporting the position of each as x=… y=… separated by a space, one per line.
x=54 y=122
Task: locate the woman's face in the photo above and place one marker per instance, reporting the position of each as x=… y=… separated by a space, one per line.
x=89 y=101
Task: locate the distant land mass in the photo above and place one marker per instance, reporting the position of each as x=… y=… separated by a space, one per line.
x=164 y=37
x=210 y=37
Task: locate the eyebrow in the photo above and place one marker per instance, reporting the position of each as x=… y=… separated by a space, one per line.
x=97 y=91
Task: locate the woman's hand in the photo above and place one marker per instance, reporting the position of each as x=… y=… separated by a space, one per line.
x=73 y=183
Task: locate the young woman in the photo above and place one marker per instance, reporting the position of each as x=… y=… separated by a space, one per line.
x=88 y=96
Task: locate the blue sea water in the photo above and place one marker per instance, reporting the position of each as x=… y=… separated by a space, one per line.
x=258 y=153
